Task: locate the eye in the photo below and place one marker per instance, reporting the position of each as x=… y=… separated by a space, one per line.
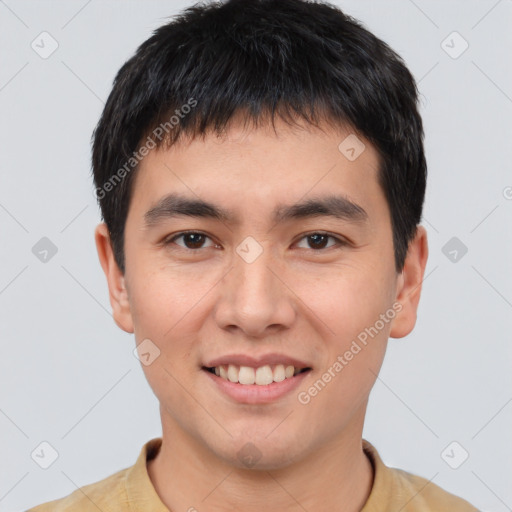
x=319 y=240
x=191 y=240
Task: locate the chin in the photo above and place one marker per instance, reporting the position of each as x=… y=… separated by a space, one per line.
x=260 y=452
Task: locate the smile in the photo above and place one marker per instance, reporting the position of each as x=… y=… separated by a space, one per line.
x=261 y=376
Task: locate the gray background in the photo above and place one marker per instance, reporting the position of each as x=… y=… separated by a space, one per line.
x=68 y=374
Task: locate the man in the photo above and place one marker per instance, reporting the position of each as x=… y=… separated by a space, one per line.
x=260 y=170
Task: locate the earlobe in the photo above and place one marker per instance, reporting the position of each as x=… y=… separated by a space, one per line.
x=409 y=285
x=115 y=279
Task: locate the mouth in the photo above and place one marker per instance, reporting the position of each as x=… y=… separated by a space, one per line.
x=261 y=376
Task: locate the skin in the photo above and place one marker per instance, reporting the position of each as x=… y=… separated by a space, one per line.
x=294 y=299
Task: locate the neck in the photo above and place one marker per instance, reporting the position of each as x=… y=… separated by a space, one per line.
x=336 y=476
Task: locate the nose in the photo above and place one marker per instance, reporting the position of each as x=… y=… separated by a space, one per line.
x=254 y=298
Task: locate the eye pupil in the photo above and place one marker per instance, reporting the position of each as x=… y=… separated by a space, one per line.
x=195 y=238
x=316 y=238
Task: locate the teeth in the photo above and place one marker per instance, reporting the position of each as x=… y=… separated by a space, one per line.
x=264 y=375
x=246 y=375
x=279 y=373
x=233 y=372
x=261 y=376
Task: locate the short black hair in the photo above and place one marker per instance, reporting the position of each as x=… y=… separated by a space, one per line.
x=296 y=59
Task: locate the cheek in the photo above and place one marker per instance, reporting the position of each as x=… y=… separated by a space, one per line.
x=164 y=302
x=347 y=300
x=354 y=355
x=163 y=312
x=356 y=312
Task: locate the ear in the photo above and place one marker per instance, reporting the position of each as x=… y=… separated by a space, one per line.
x=115 y=279
x=409 y=284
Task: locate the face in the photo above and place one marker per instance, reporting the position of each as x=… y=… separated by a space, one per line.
x=289 y=265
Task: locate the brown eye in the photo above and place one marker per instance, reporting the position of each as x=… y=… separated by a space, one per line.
x=191 y=240
x=318 y=241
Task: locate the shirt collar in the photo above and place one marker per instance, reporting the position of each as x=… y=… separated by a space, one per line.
x=140 y=493
x=383 y=481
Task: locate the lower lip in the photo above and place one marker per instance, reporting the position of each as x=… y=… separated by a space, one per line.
x=254 y=393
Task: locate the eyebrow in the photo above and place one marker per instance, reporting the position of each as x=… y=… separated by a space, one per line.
x=175 y=205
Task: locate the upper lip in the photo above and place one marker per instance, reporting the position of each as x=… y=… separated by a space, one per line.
x=256 y=362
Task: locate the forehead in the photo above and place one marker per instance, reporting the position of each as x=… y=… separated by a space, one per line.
x=262 y=167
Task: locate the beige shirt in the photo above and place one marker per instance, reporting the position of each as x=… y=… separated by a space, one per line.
x=131 y=490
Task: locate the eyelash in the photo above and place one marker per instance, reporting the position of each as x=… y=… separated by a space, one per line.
x=339 y=242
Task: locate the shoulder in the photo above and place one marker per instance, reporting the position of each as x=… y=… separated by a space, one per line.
x=425 y=496
x=395 y=489
x=101 y=495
